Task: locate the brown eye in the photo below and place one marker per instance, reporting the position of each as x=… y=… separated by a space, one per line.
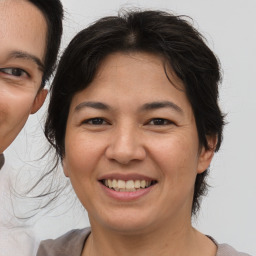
x=14 y=72
x=95 y=121
x=159 y=121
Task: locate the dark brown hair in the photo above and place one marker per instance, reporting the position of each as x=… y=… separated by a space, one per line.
x=53 y=13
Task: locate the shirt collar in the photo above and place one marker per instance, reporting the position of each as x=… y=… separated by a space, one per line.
x=1 y=160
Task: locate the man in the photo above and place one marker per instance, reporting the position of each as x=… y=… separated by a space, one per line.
x=1 y=161
x=30 y=34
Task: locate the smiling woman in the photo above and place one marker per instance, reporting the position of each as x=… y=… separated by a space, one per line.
x=134 y=139
x=134 y=118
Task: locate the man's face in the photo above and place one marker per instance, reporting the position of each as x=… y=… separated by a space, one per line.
x=23 y=31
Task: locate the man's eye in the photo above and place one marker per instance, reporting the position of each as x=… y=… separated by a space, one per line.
x=14 y=72
x=95 y=121
x=159 y=121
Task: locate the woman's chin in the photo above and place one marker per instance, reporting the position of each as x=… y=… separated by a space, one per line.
x=128 y=223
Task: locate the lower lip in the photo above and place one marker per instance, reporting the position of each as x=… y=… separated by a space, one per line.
x=126 y=196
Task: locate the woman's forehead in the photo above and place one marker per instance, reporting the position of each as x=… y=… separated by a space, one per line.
x=117 y=63
x=133 y=79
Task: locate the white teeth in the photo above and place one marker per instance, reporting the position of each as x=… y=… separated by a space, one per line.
x=129 y=184
x=137 y=184
x=126 y=186
x=143 y=184
x=114 y=183
x=121 y=184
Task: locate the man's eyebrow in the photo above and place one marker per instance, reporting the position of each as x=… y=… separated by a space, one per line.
x=92 y=104
x=161 y=104
x=27 y=56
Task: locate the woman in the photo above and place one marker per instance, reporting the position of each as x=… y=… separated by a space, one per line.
x=134 y=118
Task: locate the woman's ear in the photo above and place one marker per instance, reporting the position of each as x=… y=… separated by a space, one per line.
x=64 y=166
x=39 y=100
x=206 y=155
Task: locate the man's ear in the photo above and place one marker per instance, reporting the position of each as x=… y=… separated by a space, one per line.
x=64 y=166
x=39 y=100
x=206 y=155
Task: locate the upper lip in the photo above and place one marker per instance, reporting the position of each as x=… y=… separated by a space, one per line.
x=125 y=177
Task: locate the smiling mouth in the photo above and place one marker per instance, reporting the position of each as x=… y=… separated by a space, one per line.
x=127 y=186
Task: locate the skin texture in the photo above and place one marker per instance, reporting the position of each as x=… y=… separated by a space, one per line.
x=129 y=139
x=23 y=41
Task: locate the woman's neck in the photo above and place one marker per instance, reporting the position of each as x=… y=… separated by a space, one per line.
x=183 y=242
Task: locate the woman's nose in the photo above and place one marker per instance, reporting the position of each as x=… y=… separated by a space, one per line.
x=126 y=146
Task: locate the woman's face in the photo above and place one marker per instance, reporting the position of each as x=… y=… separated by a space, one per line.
x=131 y=146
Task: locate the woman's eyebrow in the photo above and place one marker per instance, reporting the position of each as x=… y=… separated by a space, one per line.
x=161 y=104
x=27 y=56
x=92 y=104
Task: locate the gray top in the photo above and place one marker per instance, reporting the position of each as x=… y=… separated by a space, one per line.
x=1 y=160
x=72 y=243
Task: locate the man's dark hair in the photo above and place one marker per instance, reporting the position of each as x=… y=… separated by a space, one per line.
x=53 y=13
x=172 y=37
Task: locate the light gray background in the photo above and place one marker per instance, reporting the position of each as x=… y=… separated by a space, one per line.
x=228 y=212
